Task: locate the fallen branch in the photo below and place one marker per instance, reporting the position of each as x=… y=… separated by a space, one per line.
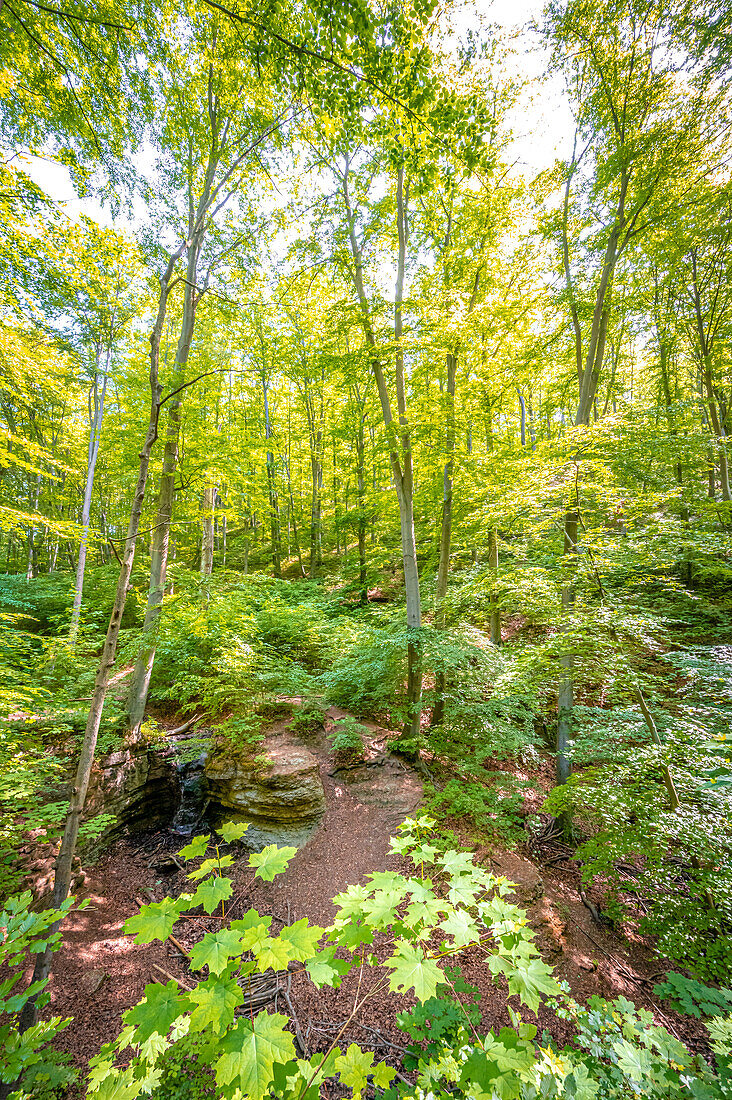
x=295 y=1023
x=172 y=978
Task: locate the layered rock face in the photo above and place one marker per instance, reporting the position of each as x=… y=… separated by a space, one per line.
x=136 y=784
x=282 y=796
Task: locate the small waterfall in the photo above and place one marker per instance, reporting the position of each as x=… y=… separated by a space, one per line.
x=192 y=785
x=193 y=802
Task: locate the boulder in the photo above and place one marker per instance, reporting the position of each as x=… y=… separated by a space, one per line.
x=279 y=791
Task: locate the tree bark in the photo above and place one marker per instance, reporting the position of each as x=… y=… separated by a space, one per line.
x=95 y=435
x=64 y=861
x=140 y=683
x=207 y=538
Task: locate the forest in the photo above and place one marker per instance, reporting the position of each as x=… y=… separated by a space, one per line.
x=365 y=550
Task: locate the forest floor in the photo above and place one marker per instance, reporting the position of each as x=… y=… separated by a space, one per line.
x=99 y=972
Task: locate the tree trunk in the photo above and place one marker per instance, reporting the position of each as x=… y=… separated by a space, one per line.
x=64 y=861
x=493 y=566
x=160 y=545
x=95 y=435
x=207 y=539
x=565 y=702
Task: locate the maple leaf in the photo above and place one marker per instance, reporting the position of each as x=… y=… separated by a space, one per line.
x=156 y=1013
x=210 y=894
x=461 y=926
x=271 y=861
x=210 y=865
x=154 y=921
x=249 y=1052
x=232 y=830
x=216 y=950
x=413 y=970
x=463 y=891
x=380 y=910
x=456 y=862
x=350 y=901
x=272 y=952
x=215 y=1001
x=302 y=939
x=326 y=969
x=354 y=1067
x=195 y=847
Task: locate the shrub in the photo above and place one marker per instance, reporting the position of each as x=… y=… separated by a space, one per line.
x=27 y=1059
x=347 y=736
x=309 y=717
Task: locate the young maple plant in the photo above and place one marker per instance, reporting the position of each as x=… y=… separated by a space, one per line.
x=420 y=923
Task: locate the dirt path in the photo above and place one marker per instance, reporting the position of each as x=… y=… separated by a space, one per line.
x=99 y=972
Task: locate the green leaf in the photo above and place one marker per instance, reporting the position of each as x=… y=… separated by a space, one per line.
x=271 y=861
x=211 y=865
x=249 y=1053
x=461 y=926
x=354 y=1068
x=161 y=1006
x=326 y=969
x=302 y=939
x=154 y=921
x=195 y=848
x=232 y=830
x=210 y=894
x=412 y=970
x=272 y=952
x=216 y=950
x=215 y=1001
x=530 y=980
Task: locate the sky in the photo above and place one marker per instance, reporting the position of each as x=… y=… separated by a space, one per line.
x=541 y=121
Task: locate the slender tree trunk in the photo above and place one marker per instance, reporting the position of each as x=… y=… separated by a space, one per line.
x=493 y=566
x=207 y=538
x=31 y=565
x=565 y=702
x=160 y=545
x=95 y=435
x=443 y=568
x=64 y=861
x=363 y=591
x=274 y=510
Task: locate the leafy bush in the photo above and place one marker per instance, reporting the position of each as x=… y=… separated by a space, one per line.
x=368 y=670
x=692 y=998
x=668 y=869
x=28 y=1059
x=496 y=811
x=309 y=717
x=347 y=736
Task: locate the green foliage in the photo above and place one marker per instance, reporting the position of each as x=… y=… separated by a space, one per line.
x=347 y=736
x=28 y=1058
x=667 y=869
x=494 y=807
x=368 y=668
x=182 y=1075
x=692 y=998
x=422 y=921
x=308 y=717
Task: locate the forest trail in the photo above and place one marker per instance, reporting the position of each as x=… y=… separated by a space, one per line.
x=365 y=803
x=99 y=972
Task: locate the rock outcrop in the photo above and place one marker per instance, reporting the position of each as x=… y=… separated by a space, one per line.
x=136 y=784
x=279 y=791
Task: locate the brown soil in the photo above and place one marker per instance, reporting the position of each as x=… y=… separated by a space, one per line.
x=99 y=972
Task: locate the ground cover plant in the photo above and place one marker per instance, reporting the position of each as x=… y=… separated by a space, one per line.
x=334 y=381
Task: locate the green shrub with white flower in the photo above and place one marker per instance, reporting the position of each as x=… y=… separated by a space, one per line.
x=406 y=931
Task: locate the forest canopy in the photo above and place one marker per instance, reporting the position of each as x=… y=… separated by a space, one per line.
x=334 y=375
